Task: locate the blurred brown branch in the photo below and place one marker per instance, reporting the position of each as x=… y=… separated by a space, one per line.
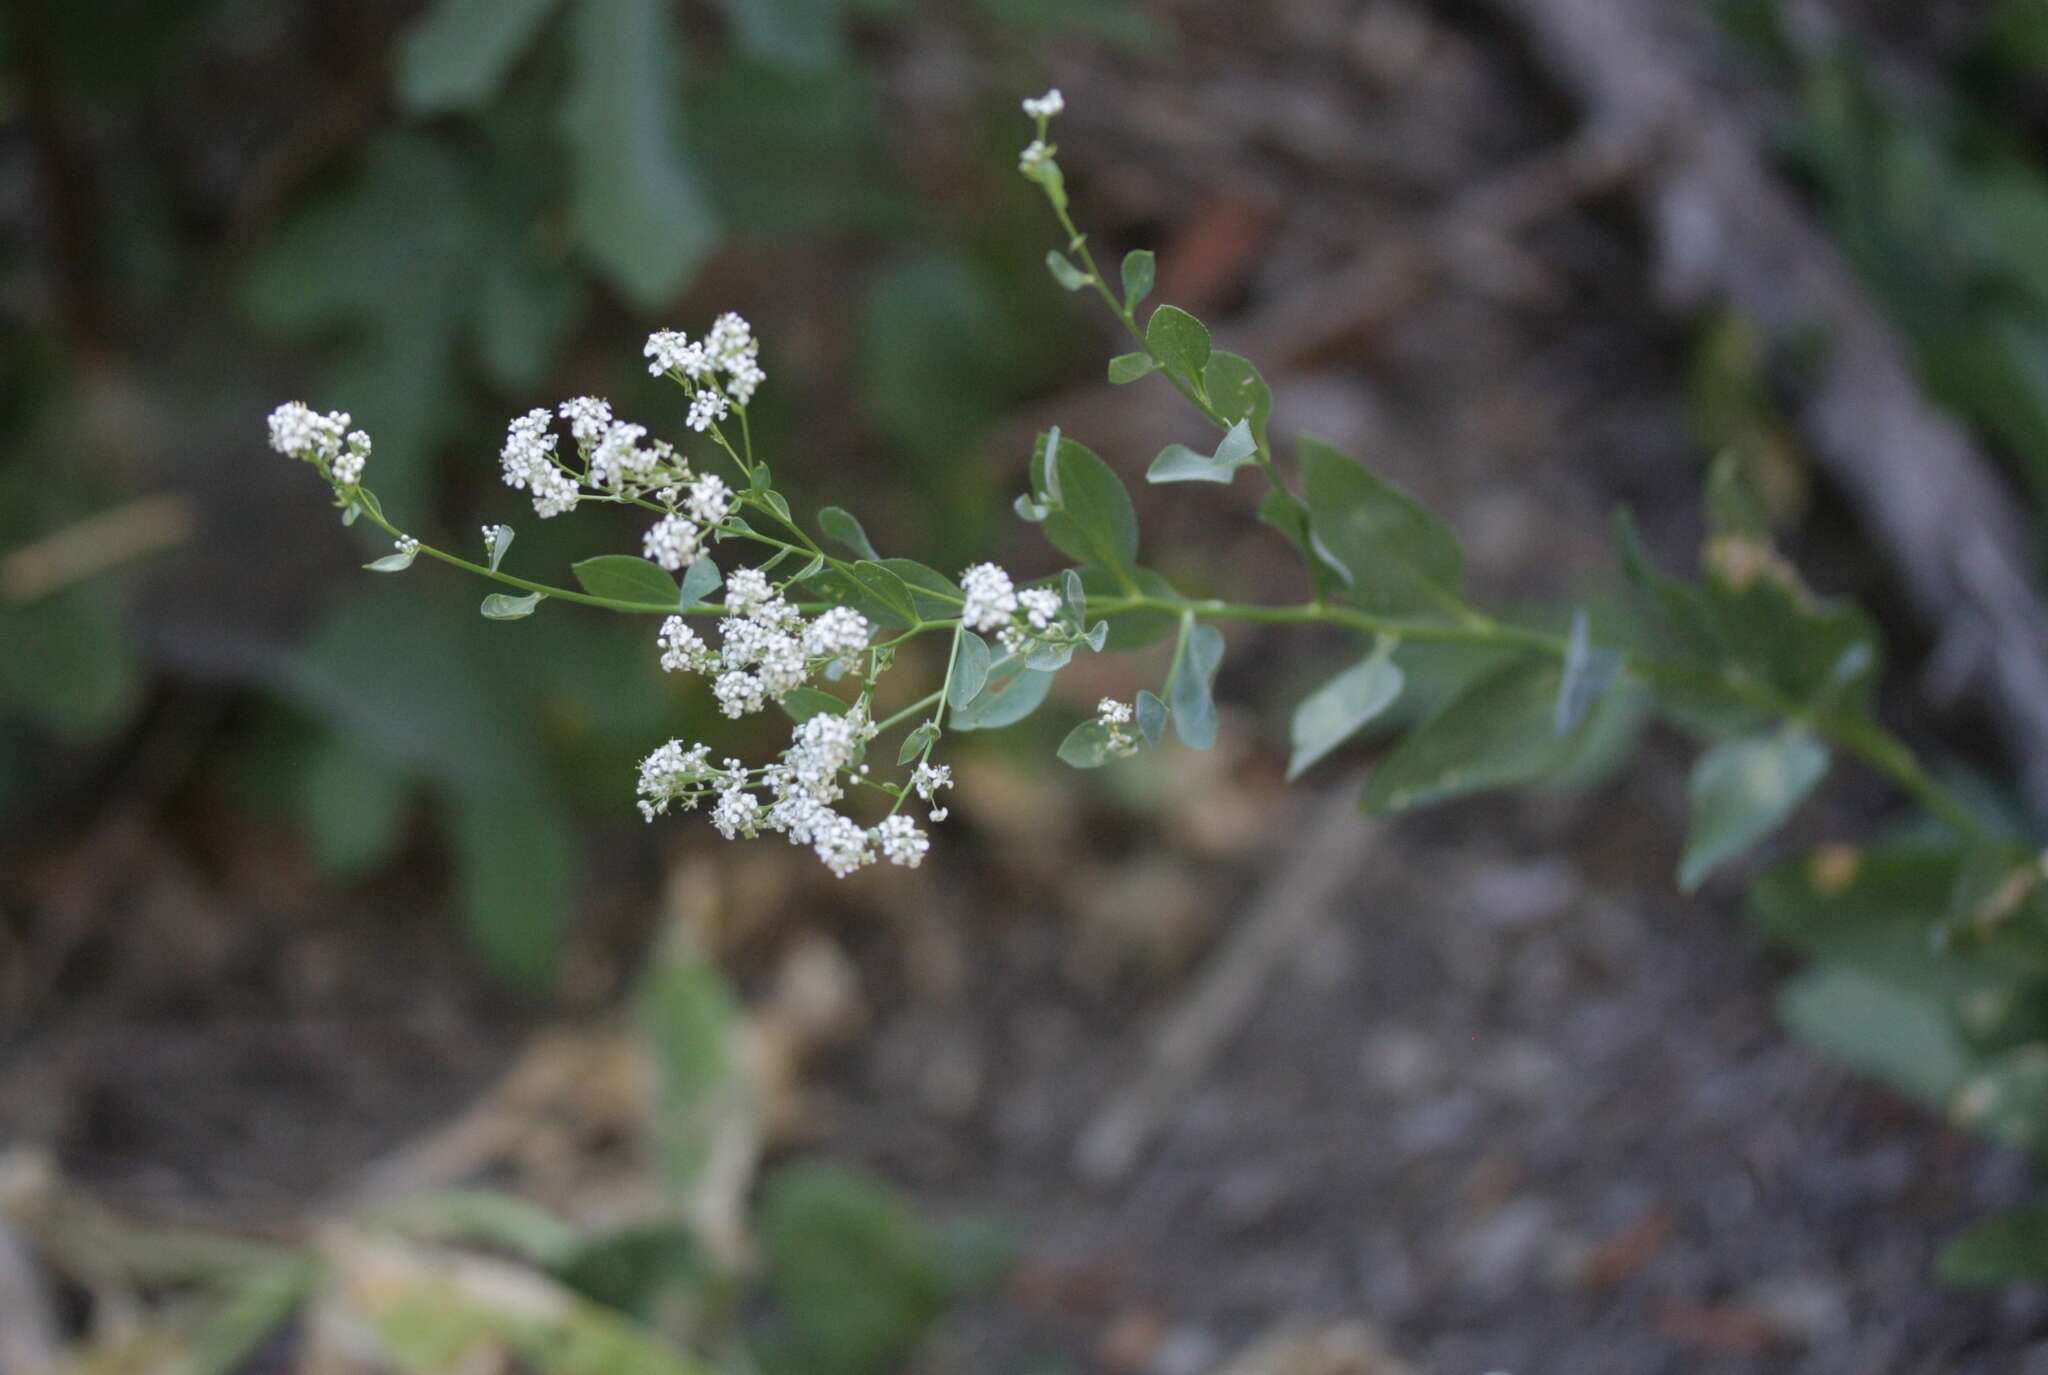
x=95 y=545
x=1730 y=235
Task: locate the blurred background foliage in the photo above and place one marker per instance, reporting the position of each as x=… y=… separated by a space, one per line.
x=438 y=216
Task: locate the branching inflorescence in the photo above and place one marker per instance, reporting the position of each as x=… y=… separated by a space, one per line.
x=1778 y=677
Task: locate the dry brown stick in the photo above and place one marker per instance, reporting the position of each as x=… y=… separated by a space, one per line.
x=95 y=545
x=1730 y=234
x=28 y=1324
x=1472 y=237
x=1208 y=1017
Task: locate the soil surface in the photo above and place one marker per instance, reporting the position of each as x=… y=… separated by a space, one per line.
x=1513 y=1102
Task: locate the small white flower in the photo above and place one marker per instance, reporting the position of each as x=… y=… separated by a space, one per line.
x=927 y=779
x=839 y=633
x=667 y=777
x=737 y=814
x=901 y=841
x=739 y=693
x=742 y=379
x=588 y=418
x=674 y=542
x=348 y=466
x=843 y=844
x=554 y=492
x=670 y=350
x=408 y=545
x=1041 y=606
x=707 y=408
x=710 y=500
x=746 y=589
x=617 y=455
x=991 y=597
x=1114 y=716
x=298 y=431
x=682 y=649
x=1045 y=106
x=1034 y=158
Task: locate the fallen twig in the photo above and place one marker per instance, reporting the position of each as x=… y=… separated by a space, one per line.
x=1208 y=1017
x=1730 y=234
x=94 y=545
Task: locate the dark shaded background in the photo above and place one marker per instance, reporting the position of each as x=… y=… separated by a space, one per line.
x=296 y=861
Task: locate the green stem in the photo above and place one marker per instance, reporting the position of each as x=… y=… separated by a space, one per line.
x=376 y=518
x=1861 y=738
x=1077 y=243
x=898 y=718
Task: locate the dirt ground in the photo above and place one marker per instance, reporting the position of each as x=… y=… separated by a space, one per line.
x=1512 y=1101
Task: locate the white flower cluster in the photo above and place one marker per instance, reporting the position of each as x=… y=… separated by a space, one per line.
x=991 y=598
x=721 y=370
x=326 y=441
x=801 y=789
x=1037 y=156
x=1045 y=106
x=1022 y=620
x=614 y=459
x=766 y=649
x=1114 y=717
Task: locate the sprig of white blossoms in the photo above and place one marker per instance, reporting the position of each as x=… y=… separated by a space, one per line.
x=991 y=598
x=794 y=797
x=767 y=650
x=1036 y=161
x=1114 y=717
x=325 y=441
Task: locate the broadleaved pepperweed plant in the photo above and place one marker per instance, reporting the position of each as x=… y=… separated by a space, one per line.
x=1931 y=948
x=1758 y=659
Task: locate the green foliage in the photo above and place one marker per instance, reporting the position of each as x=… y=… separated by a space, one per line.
x=1065 y=273
x=1179 y=463
x=1089 y=745
x=1190 y=686
x=1940 y=209
x=700 y=580
x=1342 y=707
x=354 y=805
x=514 y=863
x=457 y=55
x=1880 y=1029
x=499 y=606
x=1237 y=392
x=806 y=702
x=65 y=662
x=803 y=34
x=1126 y=368
x=1138 y=273
x=970 y=669
x=1011 y=693
x=1742 y=790
x=1498 y=733
x=643 y=218
x=1087 y=510
x=690 y=1019
x=627 y=579
x=1180 y=342
x=1396 y=558
x=855 y=1272
x=1999 y=1250
x=840 y=525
